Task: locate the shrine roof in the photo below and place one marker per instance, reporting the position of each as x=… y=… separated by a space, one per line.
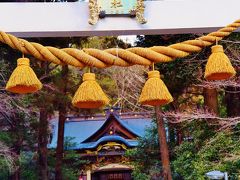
x=93 y=145
x=81 y=129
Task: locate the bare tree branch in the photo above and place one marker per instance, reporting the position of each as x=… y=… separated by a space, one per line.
x=8 y=157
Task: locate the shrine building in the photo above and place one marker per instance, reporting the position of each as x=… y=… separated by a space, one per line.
x=103 y=140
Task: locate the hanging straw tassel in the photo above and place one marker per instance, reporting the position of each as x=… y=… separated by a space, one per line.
x=155 y=92
x=23 y=79
x=89 y=94
x=218 y=66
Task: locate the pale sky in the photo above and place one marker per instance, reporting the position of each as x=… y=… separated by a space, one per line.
x=128 y=39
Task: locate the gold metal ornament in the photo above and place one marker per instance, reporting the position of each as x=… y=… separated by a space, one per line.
x=140 y=12
x=97 y=12
x=93 y=11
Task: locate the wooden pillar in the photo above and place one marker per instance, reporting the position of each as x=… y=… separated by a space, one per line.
x=163 y=145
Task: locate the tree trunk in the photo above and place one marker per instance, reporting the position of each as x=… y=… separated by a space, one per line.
x=211 y=99
x=232 y=99
x=62 y=117
x=179 y=136
x=163 y=145
x=42 y=144
x=60 y=143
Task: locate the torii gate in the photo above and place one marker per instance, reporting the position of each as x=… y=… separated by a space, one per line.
x=164 y=17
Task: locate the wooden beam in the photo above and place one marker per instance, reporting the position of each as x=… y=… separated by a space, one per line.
x=71 y=19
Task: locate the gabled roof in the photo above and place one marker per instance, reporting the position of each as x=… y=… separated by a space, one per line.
x=80 y=130
x=112 y=120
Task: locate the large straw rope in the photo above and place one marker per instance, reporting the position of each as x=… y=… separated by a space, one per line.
x=115 y=56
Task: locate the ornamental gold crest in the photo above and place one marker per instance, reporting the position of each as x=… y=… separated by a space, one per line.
x=103 y=8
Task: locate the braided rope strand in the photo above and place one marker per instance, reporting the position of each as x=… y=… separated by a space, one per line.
x=115 y=56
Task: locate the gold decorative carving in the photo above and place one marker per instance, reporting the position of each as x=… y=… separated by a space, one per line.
x=111 y=144
x=93 y=11
x=116 y=3
x=140 y=12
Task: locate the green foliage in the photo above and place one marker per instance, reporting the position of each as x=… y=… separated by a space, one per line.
x=73 y=163
x=5 y=137
x=139 y=175
x=4 y=169
x=145 y=157
x=104 y=42
x=25 y=159
x=6 y=161
x=220 y=152
x=178 y=75
x=109 y=86
x=205 y=151
x=70 y=174
x=222 y=109
x=28 y=166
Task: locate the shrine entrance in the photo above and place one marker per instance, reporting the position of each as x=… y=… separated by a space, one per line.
x=112 y=172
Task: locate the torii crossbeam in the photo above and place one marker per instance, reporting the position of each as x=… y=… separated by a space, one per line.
x=71 y=19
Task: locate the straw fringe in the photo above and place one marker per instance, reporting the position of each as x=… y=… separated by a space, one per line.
x=219 y=66
x=23 y=79
x=89 y=94
x=155 y=92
